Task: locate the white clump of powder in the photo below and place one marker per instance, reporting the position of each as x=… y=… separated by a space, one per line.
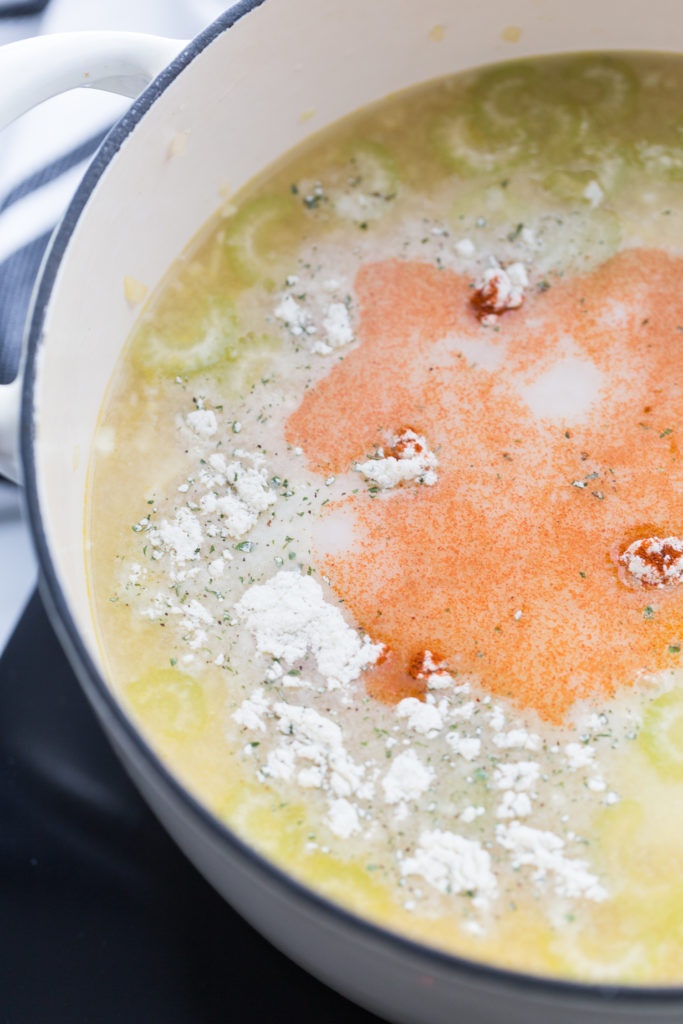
x=407 y=778
x=518 y=775
x=342 y=818
x=579 y=755
x=471 y=814
x=290 y=619
x=294 y=316
x=465 y=247
x=136 y=573
x=323 y=329
x=544 y=852
x=423 y=718
x=654 y=562
x=203 y=422
x=408 y=459
x=468 y=747
x=451 y=863
x=318 y=742
x=439 y=680
x=497 y=718
x=517 y=739
x=252 y=711
x=251 y=494
x=194 y=616
x=181 y=536
x=337 y=325
x=501 y=289
x=247 y=494
x=514 y=805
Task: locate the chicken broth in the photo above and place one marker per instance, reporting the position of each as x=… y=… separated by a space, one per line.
x=386 y=522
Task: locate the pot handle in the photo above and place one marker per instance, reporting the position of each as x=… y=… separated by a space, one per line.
x=33 y=70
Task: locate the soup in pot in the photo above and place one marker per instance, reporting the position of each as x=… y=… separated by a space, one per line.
x=386 y=522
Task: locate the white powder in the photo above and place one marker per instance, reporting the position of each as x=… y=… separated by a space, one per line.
x=519 y=775
x=290 y=619
x=465 y=712
x=312 y=777
x=579 y=755
x=193 y=618
x=654 y=562
x=250 y=495
x=407 y=778
x=181 y=537
x=247 y=495
x=322 y=326
x=471 y=814
x=543 y=851
x=316 y=740
x=465 y=248
x=251 y=712
x=408 y=460
x=281 y=764
x=517 y=739
x=468 y=747
x=251 y=484
x=136 y=573
x=203 y=422
x=196 y=612
x=452 y=864
x=423 y=718
x=499 y=290
x=236 y=517
x=497 y=718
x=294 y=316
x=439 y=680
x=514 y=805
x=337 y=325
x=342 y=818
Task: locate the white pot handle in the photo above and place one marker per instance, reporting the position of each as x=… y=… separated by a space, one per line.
x=33 y=70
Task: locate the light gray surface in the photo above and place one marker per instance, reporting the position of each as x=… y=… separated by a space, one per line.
x=18 y=570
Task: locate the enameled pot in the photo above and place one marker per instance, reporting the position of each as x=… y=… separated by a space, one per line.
x=256 y=82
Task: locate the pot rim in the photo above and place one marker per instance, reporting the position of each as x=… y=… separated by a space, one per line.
x=101 y=695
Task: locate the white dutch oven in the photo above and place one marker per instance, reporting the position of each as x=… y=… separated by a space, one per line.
x=251 y=86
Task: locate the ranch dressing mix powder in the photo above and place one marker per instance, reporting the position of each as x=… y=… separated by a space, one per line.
x=386 y=529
